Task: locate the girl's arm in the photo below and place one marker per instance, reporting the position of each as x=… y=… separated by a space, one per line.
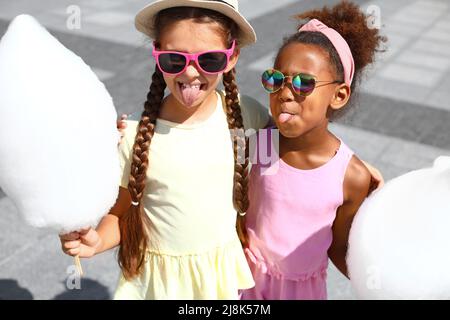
x=356 y=188
x=377 y=180
x=108 y=228
x=89 y=242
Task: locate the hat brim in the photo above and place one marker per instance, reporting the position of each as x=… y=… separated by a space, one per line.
x=144 y=20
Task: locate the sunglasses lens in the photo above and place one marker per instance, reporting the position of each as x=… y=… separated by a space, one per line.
x=303 y=84
x=213 y=61
x=272 y=80
x=172 y=62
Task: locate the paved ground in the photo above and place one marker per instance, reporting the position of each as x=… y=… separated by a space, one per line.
x=401 y=123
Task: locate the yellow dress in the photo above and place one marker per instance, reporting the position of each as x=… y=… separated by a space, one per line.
x=194 y=249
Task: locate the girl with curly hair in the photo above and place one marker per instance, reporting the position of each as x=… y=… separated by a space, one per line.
x=303 y=204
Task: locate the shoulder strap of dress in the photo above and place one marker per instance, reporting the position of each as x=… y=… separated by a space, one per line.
x=344 y=156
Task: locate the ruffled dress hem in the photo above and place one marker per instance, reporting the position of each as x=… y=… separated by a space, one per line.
x=263 y=268
x=216 y=274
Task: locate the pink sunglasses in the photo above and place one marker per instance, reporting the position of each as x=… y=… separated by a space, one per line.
x=210 y=62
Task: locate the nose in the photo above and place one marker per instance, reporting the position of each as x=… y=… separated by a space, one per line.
x=191 y=70
x=285 y=94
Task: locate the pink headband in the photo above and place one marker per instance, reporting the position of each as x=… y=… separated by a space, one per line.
x=339 y=43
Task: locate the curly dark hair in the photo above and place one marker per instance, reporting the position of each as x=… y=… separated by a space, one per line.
x=351 y=23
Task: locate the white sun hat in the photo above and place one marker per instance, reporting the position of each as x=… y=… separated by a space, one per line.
x=145 y=18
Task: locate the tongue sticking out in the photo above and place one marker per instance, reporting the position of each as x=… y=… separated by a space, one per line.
x=284 y=117
x=189 y=94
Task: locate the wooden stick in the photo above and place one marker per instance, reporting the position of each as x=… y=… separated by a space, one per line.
x=78 y=265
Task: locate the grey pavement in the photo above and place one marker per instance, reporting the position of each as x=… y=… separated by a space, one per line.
x=401 y=120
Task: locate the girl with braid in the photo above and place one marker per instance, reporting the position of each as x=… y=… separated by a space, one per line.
x=175 y=216
x=300 y=214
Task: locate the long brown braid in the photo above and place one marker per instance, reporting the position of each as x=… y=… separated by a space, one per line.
x=133 y=233
x=240 y=149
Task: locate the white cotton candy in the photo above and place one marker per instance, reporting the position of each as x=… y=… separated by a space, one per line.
x=58 y=138
x=399 y=245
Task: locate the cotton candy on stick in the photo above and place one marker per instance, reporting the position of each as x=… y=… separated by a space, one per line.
x=399 y=245
x=58 y=136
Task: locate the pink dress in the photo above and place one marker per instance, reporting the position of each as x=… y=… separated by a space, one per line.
x=289 y=224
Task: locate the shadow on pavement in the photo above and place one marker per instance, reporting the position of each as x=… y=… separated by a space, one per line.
x=89 y=290
x=10 y=290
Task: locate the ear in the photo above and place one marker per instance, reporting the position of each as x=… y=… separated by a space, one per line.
x=340 y=97
x=233 y=60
